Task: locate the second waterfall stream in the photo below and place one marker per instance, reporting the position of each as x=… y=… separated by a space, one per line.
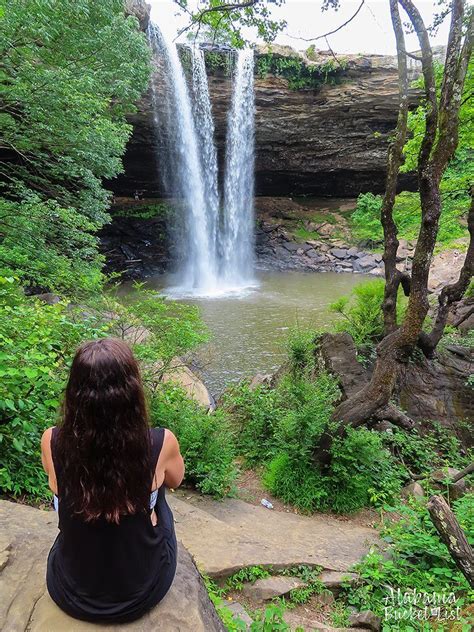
x=213 y=230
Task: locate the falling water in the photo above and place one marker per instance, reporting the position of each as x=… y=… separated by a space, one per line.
x=237 y=238
x=205 y=130
x=199 y=269
x=214 y=244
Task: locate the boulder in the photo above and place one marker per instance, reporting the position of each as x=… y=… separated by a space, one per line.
x=141 y=10
x=427 y=389
x=179 y=373
x=414 y=490
x=366 y=619
x=365 y=264
x=271 y=587
x=339 y=253
x=27 y=536
x=261 y=379
x=441 y=479
x=333 y=580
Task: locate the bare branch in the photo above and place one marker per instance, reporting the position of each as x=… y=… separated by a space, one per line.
x=220 y=8
x=324 y=35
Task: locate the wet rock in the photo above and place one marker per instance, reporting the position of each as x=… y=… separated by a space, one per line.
x=365 y=264
x=339 y=253
x=261 y=379
x=366 y=619
x=271 y=587
x=413 y=490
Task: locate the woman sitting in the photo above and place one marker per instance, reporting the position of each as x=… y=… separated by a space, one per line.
x=115 y=555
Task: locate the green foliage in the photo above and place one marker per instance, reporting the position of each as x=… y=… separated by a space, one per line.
x=455 y=183
x=249 y=574
x=143 y=211
x=37 y=343
x=280 y=428
x=225 y=26
x=298 y=73
x=158 y=328
x=362 y=313
x=436 y=447
x=407 y=215
x=459 y=176
x=303 y=234
x=218 y=62
x=231 y=622
x=206 y=440
x=418 y=561
x=362 y=473
x=270 y=620
x=71 y=71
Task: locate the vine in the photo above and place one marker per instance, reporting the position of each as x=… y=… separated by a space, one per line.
x=300 y=75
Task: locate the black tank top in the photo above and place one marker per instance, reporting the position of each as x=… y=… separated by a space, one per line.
x=104 y=572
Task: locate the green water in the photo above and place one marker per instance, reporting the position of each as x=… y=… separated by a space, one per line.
x=249 y=329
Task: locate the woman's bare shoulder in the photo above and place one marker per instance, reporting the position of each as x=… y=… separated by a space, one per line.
x=46 y=439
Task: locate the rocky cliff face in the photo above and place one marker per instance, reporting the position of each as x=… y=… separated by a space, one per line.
x=326 y=141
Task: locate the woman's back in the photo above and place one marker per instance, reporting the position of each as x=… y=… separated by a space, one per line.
x=115 y=556
x=103 y=571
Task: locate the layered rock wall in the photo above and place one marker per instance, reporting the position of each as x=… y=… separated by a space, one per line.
x=330 y=140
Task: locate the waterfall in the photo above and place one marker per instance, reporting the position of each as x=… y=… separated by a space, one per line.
x=214 y=245
x=237 y=238
x=205 y=130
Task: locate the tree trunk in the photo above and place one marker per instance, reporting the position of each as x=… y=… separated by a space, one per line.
x=450 y=294
x=393 y=276
x=437 y=149
x=453 y=536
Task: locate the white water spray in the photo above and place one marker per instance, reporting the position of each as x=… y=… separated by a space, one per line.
x=238 y=220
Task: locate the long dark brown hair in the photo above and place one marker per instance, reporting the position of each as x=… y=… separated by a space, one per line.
x=103 y=443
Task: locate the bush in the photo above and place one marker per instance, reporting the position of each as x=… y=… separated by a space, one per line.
x=362 y=473
x=407 y=215
x=418 y=561
x=280 y=428
x=362 y=312
x=206 y=440
x=422 y=453
x=37 y=343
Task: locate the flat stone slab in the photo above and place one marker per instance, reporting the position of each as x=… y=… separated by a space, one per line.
x=228 y=535
x=271 y=587
x=26 y=606
x=335 y=579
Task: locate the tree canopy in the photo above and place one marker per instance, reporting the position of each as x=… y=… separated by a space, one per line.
x=70 y=71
